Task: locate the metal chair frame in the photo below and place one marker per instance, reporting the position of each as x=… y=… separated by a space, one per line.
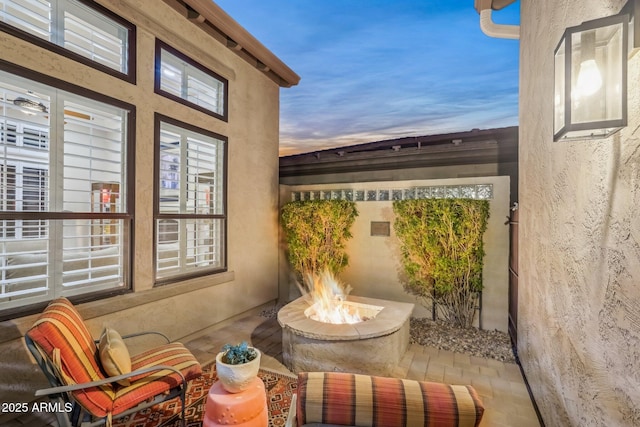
x=59 y=394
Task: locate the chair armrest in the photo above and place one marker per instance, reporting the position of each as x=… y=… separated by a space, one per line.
x=139 y=334
x=73 y=387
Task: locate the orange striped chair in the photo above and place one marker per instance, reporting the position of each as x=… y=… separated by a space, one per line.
x=67 y=353
x=344 y=399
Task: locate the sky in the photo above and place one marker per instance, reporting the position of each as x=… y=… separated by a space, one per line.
x=374 y=70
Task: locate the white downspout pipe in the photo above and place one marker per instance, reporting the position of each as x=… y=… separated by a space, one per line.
x=497 y=30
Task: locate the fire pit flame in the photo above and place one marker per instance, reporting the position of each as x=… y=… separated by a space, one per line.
x=328 y=300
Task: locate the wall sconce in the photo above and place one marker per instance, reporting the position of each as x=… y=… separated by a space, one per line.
x=590 y=99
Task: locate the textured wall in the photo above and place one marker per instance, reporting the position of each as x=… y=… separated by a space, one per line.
x=579 y=307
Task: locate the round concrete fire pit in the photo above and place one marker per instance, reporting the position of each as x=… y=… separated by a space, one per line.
x=373 y=347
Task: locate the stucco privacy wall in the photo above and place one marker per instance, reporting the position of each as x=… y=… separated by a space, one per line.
x=375 y=269
x=579 y=269
x=252 y=130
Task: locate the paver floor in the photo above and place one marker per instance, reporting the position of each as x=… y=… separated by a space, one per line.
x=500 y=385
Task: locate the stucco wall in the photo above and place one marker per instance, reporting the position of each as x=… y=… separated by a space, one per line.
x=435 y=172
x=252 y=130
x=579 y=307
x=375 y=268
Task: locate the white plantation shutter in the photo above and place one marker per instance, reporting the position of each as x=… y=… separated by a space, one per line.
x=72 y=25
x=32 y=16
x=50 y=161
x=183 y=78
x=190 y=220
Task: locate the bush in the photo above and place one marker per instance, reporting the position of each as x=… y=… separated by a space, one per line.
x=442 y=251
x=316 y=233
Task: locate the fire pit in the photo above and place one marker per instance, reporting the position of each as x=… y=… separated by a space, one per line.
x=373 y=346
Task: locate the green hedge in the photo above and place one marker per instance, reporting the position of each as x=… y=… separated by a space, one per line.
x=442 y=252
x=316 y=232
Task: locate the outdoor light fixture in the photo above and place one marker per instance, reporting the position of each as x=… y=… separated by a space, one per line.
x=590 y=99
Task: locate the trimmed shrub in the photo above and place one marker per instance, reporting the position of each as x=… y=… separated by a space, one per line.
x=442 y=253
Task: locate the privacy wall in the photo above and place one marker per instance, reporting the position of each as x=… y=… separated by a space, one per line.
x=579 y=308
x=375 y=266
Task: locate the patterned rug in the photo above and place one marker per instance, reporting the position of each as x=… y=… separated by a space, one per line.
x=280 y=388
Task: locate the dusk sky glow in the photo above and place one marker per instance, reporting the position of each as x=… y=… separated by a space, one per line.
x=381 y=69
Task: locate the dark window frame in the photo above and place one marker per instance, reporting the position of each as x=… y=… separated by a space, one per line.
x=128 y=217
x=157 y=216
x=160 y=45
x=129 y=76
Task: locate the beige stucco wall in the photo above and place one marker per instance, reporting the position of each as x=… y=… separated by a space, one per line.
x=252 y=130
x=433 y=172
x=375 y=268
x=579 y=269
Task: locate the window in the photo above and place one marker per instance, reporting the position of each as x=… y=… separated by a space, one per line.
x=185 y=81
x=190 y=213
x=84 y=30
x=64 y=222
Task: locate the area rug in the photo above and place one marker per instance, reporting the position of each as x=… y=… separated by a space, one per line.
x=280 y=388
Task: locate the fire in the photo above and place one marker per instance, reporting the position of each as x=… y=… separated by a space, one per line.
x=328 y=300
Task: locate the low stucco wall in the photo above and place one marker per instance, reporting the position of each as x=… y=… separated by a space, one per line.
x=579 y=307
x=375 y=268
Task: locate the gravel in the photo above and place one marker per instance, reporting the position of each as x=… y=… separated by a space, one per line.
x=439 y=334
x=472 y=341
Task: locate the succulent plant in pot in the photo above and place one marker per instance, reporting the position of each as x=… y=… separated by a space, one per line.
x=237 y=366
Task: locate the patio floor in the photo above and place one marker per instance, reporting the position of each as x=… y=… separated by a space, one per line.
x=500 y=385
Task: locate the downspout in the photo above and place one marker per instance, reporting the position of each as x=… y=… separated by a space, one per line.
x=490 y=28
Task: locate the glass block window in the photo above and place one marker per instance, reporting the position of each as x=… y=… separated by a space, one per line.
x=184 y=80
x=84 y=29
x=64 y=220
x=469 y=191
x=190 y=215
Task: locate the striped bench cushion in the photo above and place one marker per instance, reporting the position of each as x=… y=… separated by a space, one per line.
x=362 y=400
x=60 y=328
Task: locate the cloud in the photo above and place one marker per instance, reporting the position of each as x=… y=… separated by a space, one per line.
x=374 y=69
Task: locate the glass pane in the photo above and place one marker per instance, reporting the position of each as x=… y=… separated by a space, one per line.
x=94 y=148
x=190 y=172
x=32 y=16
x=92 y=261
x=188 y=246
x=95 y=36
x=597 y=74
x=559 y=88
x=183 y=79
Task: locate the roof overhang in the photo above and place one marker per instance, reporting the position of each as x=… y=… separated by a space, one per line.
x=212 y=19
x=461 y=148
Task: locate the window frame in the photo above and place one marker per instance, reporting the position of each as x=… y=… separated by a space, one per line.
x=160 y=46
x=158 y=216
x=127 y=216
x=129 y=76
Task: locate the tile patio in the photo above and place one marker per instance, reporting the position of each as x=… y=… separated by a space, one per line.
x=500 y=385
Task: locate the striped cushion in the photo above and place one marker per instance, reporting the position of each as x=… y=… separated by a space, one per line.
x=61 y=328
x=146 y=386
x=363 y=400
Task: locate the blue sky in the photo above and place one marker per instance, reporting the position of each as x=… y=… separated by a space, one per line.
x=380 y=69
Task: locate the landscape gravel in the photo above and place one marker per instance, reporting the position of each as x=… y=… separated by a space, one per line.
x=440 y=334
x=472 y=341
